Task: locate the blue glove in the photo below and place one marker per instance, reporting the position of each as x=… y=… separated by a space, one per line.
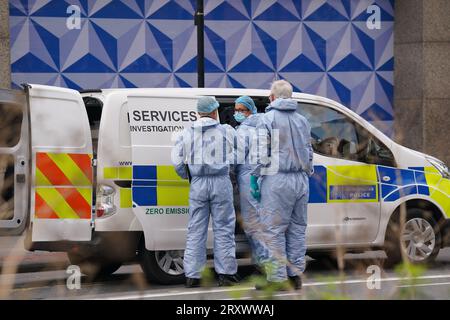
x=256 y=194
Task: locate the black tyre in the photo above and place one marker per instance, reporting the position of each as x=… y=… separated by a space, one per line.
x=418 y=239
x=95 y=268
x=326 y=259
x=162 y=267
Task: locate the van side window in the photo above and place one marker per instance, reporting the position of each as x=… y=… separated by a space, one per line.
x=335 y=135
x=226 y=109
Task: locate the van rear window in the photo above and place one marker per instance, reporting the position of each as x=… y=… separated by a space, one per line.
x=10 y=125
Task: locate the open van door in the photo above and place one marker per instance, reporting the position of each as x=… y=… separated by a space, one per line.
x=160 y=197
x=14 y=162
x=61 y=172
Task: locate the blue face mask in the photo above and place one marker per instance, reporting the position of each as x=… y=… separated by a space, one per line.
x=239 y=117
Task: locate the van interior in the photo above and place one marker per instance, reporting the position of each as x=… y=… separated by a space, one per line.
x=94 y=109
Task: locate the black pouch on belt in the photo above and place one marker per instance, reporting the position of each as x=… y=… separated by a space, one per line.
x=188 y=172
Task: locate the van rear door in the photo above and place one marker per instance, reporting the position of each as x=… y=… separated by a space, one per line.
x=61 y=173
x=160 y=197
x=14 y=162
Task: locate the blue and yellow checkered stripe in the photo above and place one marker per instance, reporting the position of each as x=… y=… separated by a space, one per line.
x=399 y=183
x=121 y=173
x=161 y=186
x=371 y=183
x=151 y=186
x=431 y=183
x=344 y=184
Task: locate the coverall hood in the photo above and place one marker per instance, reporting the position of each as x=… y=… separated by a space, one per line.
x=205 y=123
x=283 y=105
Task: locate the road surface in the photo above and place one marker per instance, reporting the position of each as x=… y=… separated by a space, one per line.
x=43 y=275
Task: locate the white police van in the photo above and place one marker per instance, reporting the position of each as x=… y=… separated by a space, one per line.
x=90 y=174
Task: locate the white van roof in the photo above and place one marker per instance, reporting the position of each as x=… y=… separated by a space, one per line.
x=196 y=91
x=215 y=92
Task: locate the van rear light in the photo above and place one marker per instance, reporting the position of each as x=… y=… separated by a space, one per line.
x=105 y=201
x=100 y=212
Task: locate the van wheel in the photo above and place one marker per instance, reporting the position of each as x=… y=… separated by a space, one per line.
x=95 y=268
x=163 y=267
x=418 y=241
x=326 y=259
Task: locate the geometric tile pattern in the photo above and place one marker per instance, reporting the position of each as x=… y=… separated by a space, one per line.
x=321 y=46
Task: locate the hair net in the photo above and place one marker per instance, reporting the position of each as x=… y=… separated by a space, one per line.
x=207 y=104
x=248 y=103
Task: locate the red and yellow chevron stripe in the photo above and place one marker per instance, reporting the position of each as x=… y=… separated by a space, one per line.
x=63 y=186
x=63 y=169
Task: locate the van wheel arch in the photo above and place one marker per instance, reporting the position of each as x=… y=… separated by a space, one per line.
x=414 y=209
x=423 y=205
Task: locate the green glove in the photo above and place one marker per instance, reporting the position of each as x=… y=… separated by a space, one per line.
x=256 y=194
